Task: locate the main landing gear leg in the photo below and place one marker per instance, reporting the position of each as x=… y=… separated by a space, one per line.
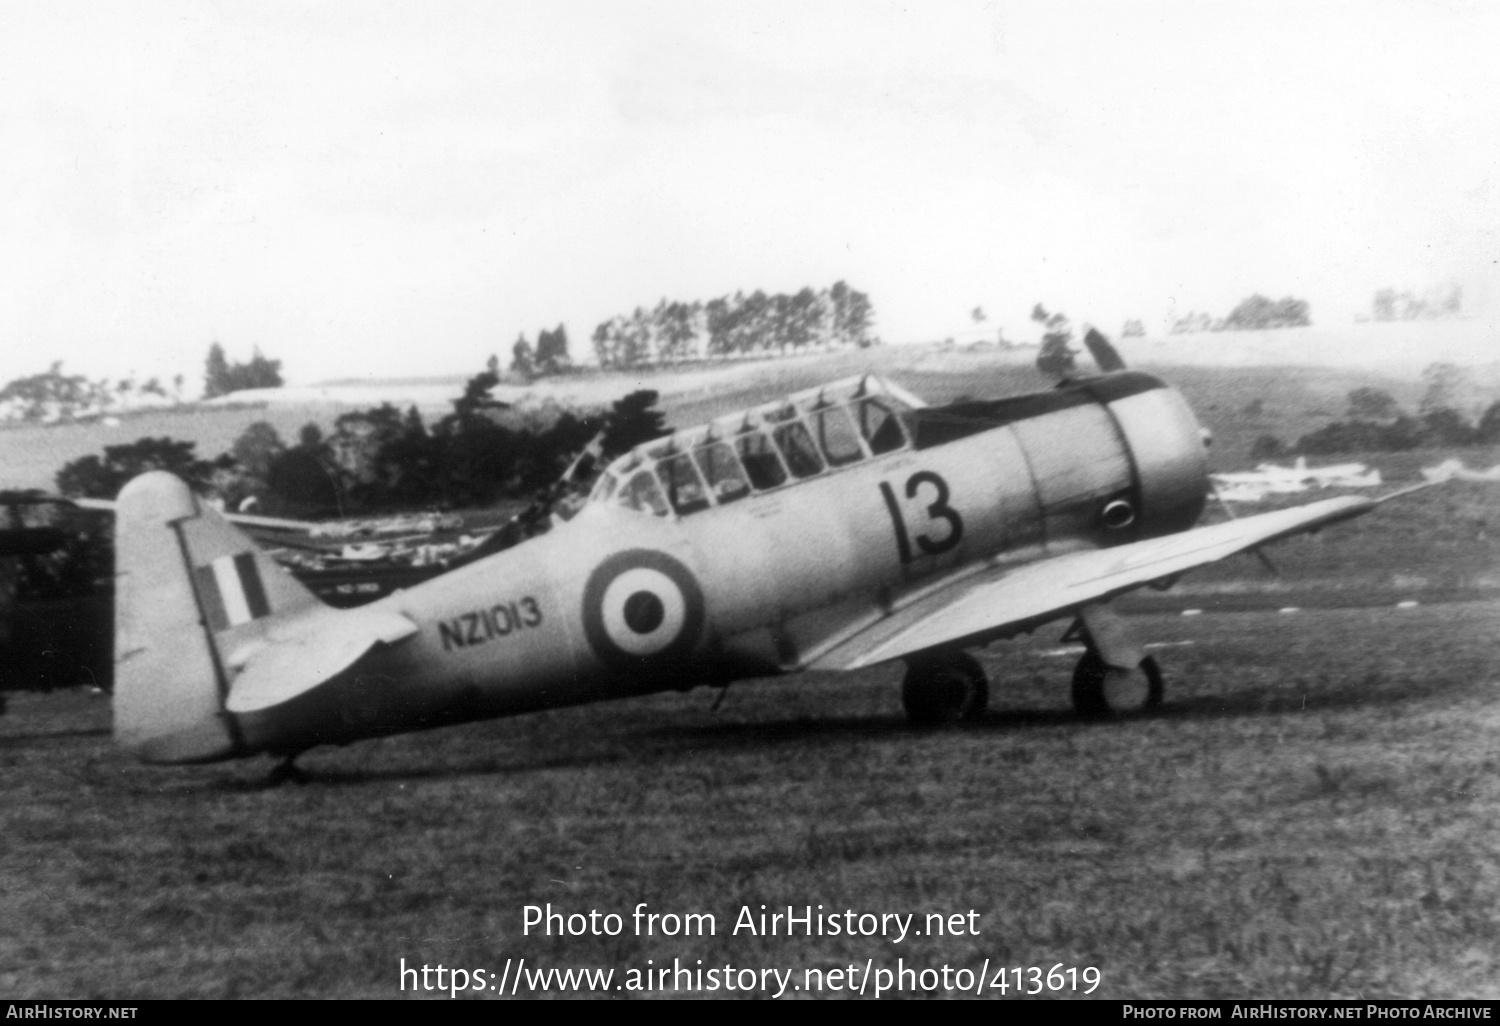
x=1114 y=676
x=944 y=689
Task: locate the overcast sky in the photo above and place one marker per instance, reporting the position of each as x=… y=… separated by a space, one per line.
x=378 y=189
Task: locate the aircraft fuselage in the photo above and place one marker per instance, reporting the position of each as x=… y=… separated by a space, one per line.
x=626 y=600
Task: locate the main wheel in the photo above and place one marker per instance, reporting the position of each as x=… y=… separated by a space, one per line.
x=1101 y=690
x=945 y=690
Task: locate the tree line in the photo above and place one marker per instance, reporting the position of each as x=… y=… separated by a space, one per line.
x=1254 y=313
x=53 y=397
x=1375 y=422
x=1440 y=303
x=737 y=325
x=381 y=459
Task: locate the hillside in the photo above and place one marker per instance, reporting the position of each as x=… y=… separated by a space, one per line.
x=1241 y=384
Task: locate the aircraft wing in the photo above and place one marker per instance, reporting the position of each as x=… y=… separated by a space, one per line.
x=305 y=650
x=1005 y=600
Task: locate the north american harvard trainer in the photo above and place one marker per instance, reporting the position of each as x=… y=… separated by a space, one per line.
x=839 y=528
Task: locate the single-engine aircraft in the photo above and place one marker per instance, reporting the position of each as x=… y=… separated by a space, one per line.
x=841 y=527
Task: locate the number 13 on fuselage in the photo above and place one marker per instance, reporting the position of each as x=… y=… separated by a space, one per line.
x=925 y=523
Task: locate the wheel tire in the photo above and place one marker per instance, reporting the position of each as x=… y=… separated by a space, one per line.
x=1101 y=691
x=945 y=691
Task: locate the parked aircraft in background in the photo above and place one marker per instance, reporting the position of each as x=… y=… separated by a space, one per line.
x=842 y=527
x=1270 y=479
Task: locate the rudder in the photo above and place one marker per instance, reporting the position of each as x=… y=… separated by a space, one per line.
x=191 y=589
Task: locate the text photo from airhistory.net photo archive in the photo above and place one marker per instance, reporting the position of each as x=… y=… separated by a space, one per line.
x=971 y=500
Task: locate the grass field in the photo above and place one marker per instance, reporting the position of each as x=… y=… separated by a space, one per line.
x=1313 y=813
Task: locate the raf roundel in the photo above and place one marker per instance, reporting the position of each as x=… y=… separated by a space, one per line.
x=642 y=609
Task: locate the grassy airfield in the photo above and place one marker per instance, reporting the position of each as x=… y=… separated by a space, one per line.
x=1314 y=813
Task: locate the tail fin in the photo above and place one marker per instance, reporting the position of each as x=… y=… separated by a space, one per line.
x=190 y=587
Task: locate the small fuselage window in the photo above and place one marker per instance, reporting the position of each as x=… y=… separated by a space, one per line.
x=836 y=436
x=604 y=487
x=722 y=471
x=642 y=493
x=880 y=427
x=684 y=488
x=762 y=465
x=796 y=444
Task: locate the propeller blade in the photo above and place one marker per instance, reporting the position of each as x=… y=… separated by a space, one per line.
x=1105 y=354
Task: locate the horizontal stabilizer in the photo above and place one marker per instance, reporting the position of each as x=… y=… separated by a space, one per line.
x=297 y=655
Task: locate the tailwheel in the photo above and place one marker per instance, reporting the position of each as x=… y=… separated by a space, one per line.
x=1101 y=690
x=943 y=690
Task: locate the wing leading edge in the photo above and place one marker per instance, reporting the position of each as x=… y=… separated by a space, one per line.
x=1006 y=600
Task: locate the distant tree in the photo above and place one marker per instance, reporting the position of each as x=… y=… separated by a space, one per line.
x=677 y=329
x=1441 y=302
x=798 y=316
x=719 y=318
x=305 y=483
x=220 y=377
x=53 y=395
x=1293 y=313
x=255 y=449
x=1194 y=322
x=852 y=315
x=1259 y=313
x=1451 y=304
x=1056 y=359
x=259 y=372
x=1383 y=306
x=1447 y=426
x=95 y=478
x=552 y=351
x=522 y=360
x=755 y=323
x=605 y=345
x=309 y=435
x=357 y=442
x=1488 y=430
x=304 y=480
x=1372 y=404
x=1267 y=447
x=409 y=464
x=476 y=395
x=1345 y=436
x=215 y=372
x=977 y=315
x=631 y=421
x=1402 y=434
